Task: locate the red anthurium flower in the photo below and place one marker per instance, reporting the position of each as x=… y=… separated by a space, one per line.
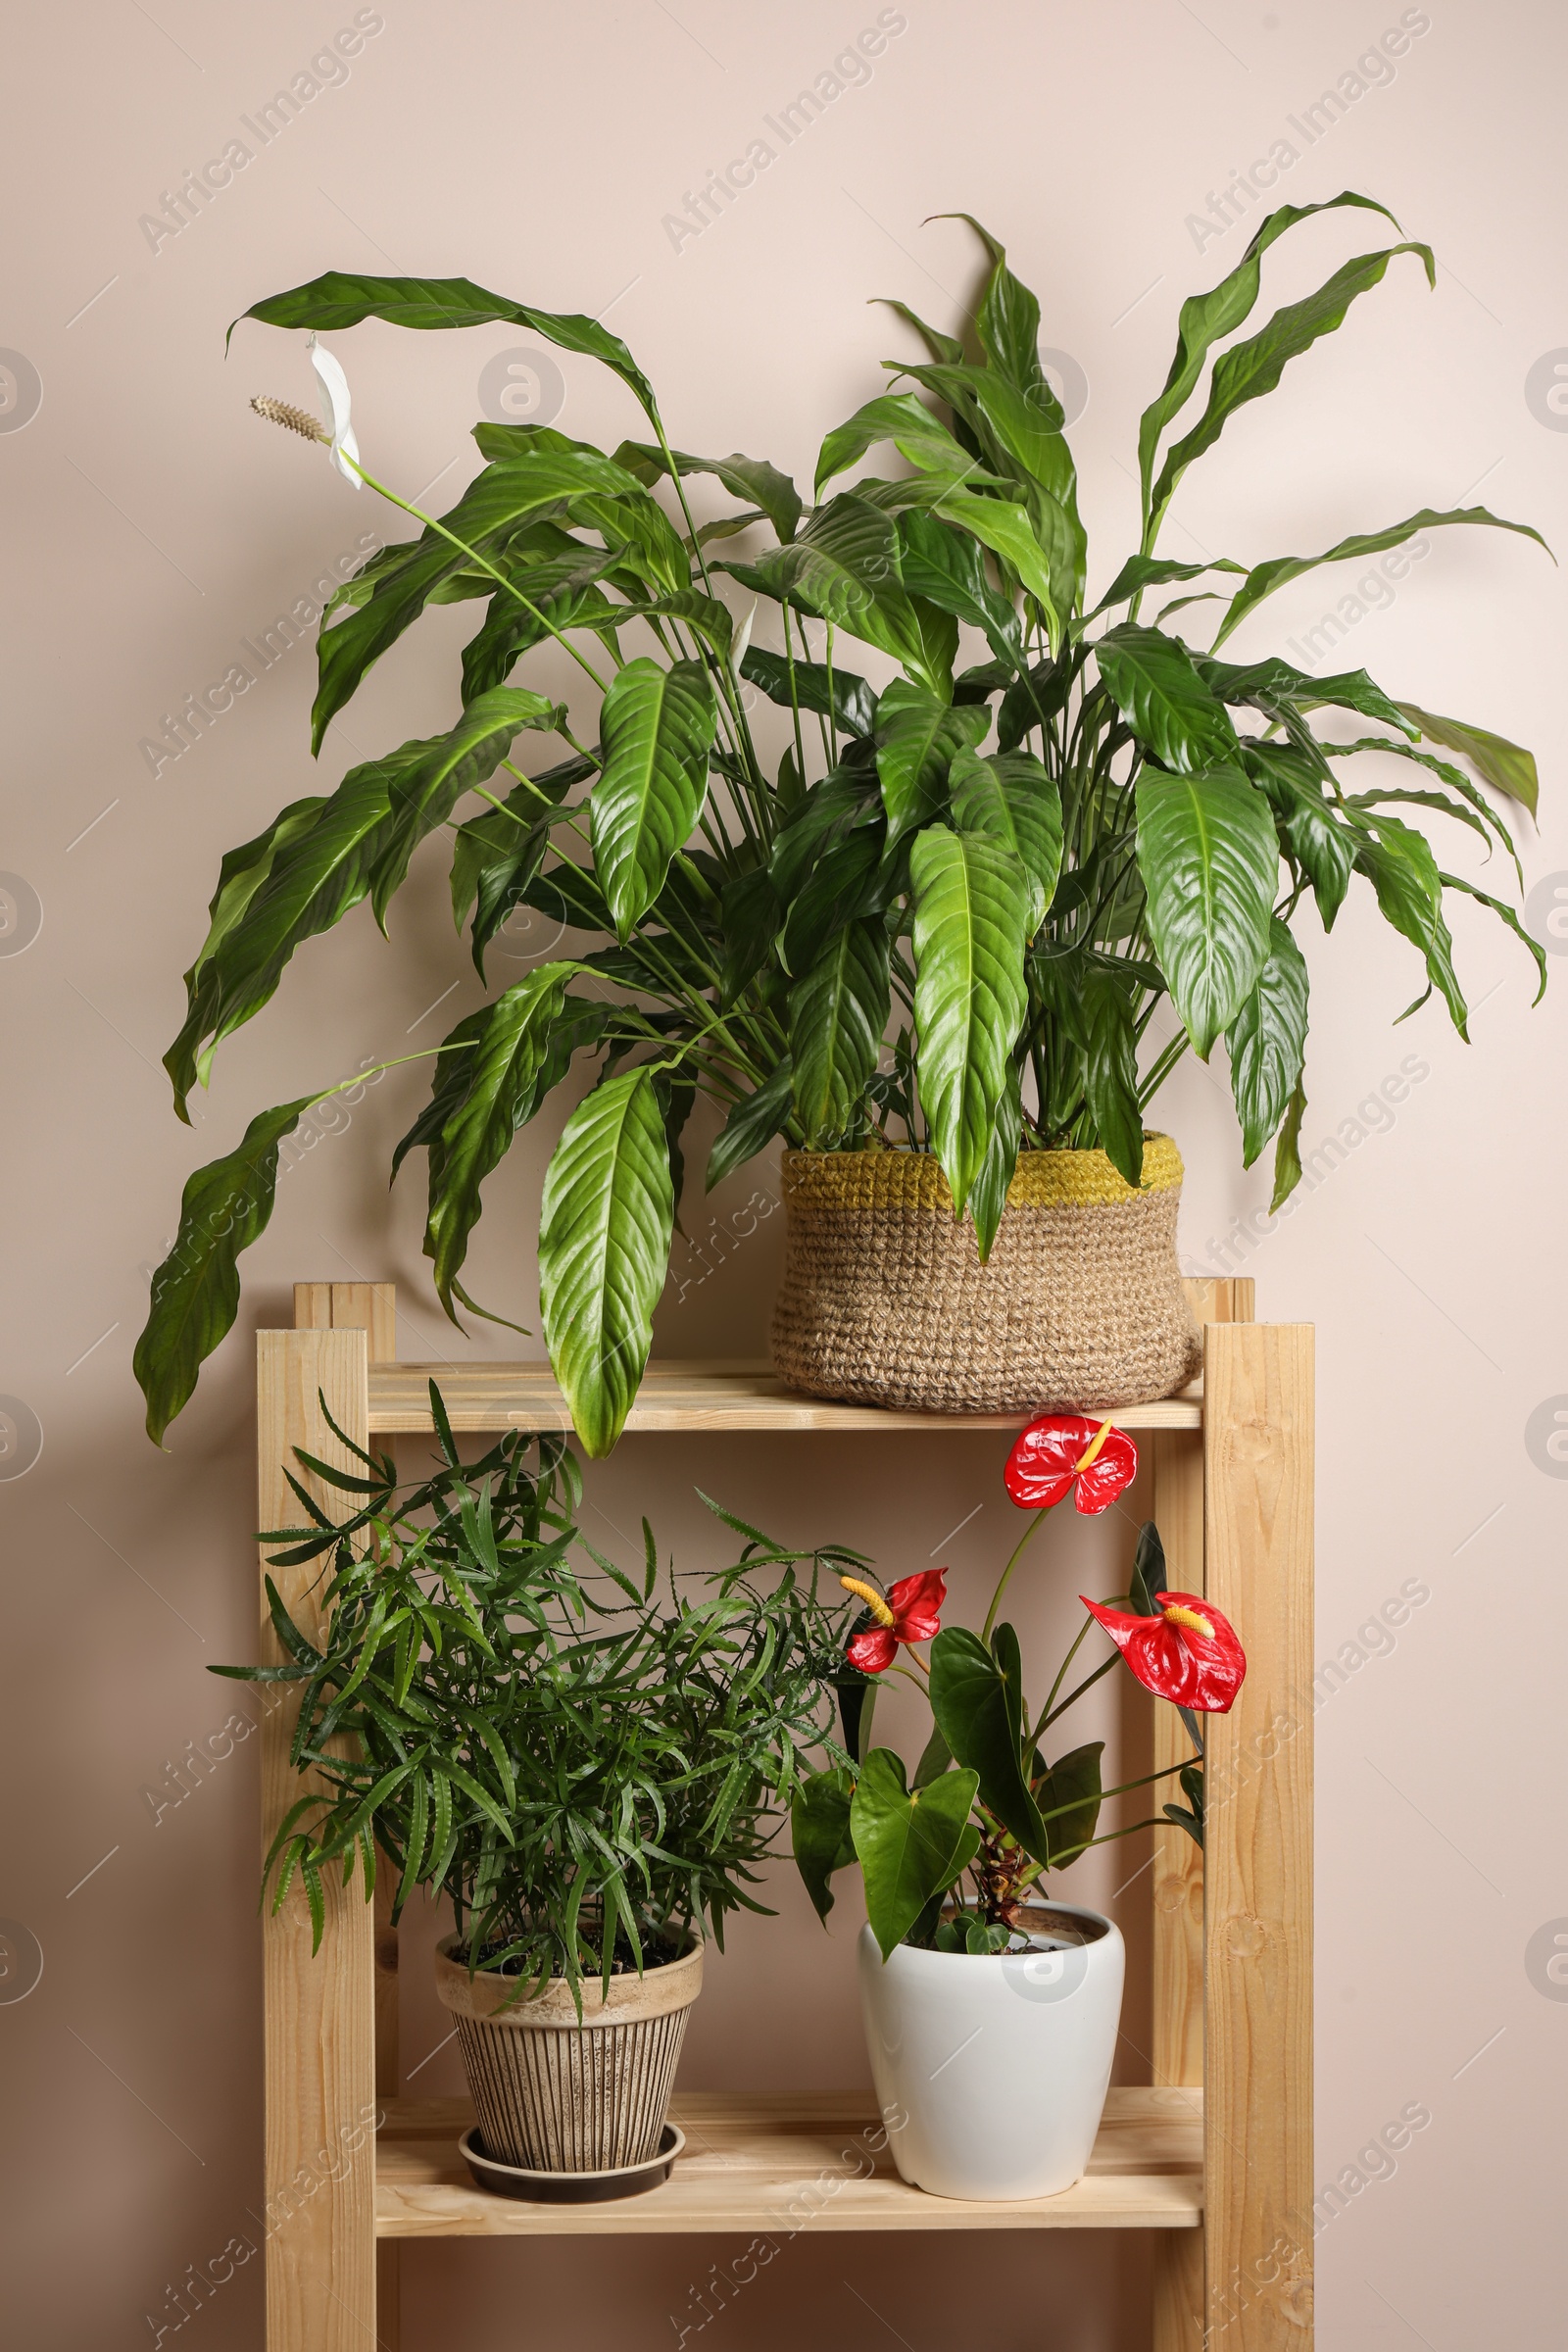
x=1066 y=1449
x=912 y=1612
x=1189 y=1654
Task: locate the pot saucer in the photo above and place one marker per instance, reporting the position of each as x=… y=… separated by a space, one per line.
x=571 y=2188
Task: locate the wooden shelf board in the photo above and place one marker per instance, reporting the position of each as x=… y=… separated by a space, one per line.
x=675 y=1396
x=777 y=2162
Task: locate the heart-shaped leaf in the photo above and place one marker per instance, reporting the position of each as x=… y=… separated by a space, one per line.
x=911 y=1847
x=977 y=1711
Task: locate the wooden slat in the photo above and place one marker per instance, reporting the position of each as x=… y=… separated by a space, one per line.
x=681 y=1396
x=319 y=2009
x=778 y=2162
x=1258 y=1845
x=370 y=1308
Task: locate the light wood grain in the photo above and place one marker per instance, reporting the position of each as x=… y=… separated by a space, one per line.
x=319 y=2009
x=682 y=1396
x=1258 y=1843
x=370 y=1308
x=776 y=2163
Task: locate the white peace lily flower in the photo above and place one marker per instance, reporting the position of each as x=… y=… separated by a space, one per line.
x=336 y=385
x=743 y=639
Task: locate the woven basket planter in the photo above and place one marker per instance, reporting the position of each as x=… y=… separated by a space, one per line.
x=1080 y=1306
x=553 y=2095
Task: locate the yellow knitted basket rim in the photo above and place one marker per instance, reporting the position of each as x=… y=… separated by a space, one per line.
x=904 y=1179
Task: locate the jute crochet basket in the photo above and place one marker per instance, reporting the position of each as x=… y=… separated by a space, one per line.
x=884 y=1300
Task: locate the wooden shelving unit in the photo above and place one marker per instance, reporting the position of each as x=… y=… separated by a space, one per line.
x=1214 y=2155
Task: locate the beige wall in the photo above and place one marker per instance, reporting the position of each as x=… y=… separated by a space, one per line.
x=152 y=527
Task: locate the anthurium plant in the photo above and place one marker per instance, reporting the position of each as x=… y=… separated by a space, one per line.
x=590 y=1764
x=951 y=1857
x=938 y=907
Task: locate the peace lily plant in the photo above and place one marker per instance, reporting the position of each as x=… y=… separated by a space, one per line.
x=941 y=912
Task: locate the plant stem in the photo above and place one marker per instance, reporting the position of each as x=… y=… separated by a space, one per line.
x=1002 y=1581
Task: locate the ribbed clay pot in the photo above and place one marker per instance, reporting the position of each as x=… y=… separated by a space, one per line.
x=1080 y=1306
x=553 y=2095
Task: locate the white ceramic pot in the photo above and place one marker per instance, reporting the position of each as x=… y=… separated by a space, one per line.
x=992 y=2072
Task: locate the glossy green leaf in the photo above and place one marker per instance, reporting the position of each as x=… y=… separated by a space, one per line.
x=1008 y=321
x=1165 y=700
x=1510 y=922
x=988 y=1194
x=1277 y=688
x=339 y=299
x=1400 y=866
x=978 y=1714
x=844 y=566
x=424 y=781
x=847 y=881
x=1264 y=578
x=911 y=1847
x=1207 y=318
x=495 y=857
x=1011 y=797
x=752 y=1123
x=1249 y=370
x=1288 y=1150
x=898 y=418
x=1010 y=531
x=504 y=1073
x=561 y=594
x=1073 y=1779
x=1209 y=859
x=1504 y=765
x=944 y=566
x=656 y=726
x=837 y=1011
x=1267 y=1042
x=853 y=703
x=971 y=906
x=606 y=1222
x=751 y=478
x=1111 y=1069
x=195 y=1292
x=820 y=1824
x=1154 y=572
x=918 y=736
x=1322 y=846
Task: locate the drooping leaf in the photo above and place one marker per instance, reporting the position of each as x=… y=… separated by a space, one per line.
x=971 y=905
x=1008 y=530
x=978 y=1715
x=1505 y=766
x=918 y=736
x=844 y=566
x=898 y=418
x=1288 y=1150
x=1110 y=1069
x=1323 y=846
x=1264 y=578
x=1011 y=797
x=1399 y=864
x=561 y=594
x=1154 y=572
x=1267 y=1042
x=424 y=781
x=656 y=726
x=1169 y=708
x=819 y=1823
x=605 y=1223
x=911 y=1847
x=838 y=1012
x=195 y=1292
x=744 y=477
x=848 y=880
x=945 y=566
x=495 y=857
x=853 y=703
x=988 y=1194
x=1210 y=860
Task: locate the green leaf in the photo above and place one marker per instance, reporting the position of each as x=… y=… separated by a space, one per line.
x=1280 y=690
x=918 y=736
x=837 y=1011
x=1209 y=859
x=898 y=418
x=1400 y=866
x=1504 y=765
x=338 y=300
x=424 y=781
x=976 y=1708
x=1154 y=572
x=1206 y=319
x=752 y=1121
x=1153 y=680
x=495 y=857
x=502 y=1077
x=819 y=1821
x=1264 y=578
x=1111 y=1069
x=750 y=479
x=844 y=567
x=988 y=1196
x=852 y=705
x=1149 y=1571
x=1011 y=799
x=848 y=880
x=1288 y=1150
x=605 y=1223
x=1506 y=915
x=562 y=595
x=1323 y=848
x=1253 y=369
x=1008 y=530
x=1008 y=321
x=911 y=1847
x=195 y=1292
x=944 y=566
x=656 y=727
x=970 y=917
x=1073 y=1779
x=1267 y=1042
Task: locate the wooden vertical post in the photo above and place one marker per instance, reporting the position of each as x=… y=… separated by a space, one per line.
x=319 y=2007
x=1178 y=1872
x=370 y=1308
x=1257 y=1930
